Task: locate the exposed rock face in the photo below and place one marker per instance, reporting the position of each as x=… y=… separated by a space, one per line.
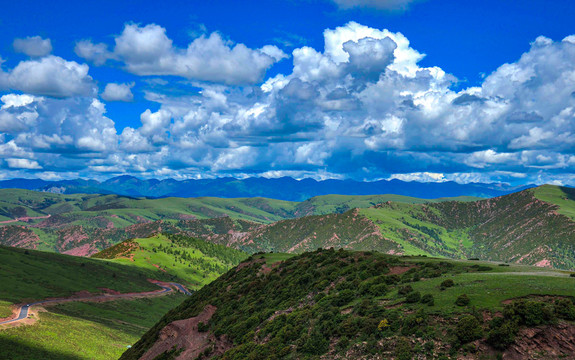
x=545 y=342
x=184 y=335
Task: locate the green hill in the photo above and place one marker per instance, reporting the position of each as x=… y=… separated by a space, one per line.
x=360 y=305
x=83 y=224
x=517 y=228
x=100 y=330
x=192 y=261
x=75 y=330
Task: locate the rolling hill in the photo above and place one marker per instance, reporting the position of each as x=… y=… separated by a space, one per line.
x=100 y=330
x=83 y=224
x=534 y=226
x=341 y=304
x=192 y=261
x=519 y=228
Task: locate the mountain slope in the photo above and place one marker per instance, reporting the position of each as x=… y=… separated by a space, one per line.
x=357 y=305
x=192 y=261
x=83 y=224
x=514 y=228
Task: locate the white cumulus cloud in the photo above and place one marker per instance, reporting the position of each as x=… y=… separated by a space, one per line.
x=33 y=46
x=147 y=50
x=118 y=92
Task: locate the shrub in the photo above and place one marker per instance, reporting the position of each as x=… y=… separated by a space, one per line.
x=572 y=275
x=413 y=297
x=565 y=309
x=502 y=333
x=403 y=349
x=427 y=299
x=462 y=300
x=316 y=344
x=447 y=283
x=404 y=290
x=202 y=327
x=469 y=329
x=530 y=313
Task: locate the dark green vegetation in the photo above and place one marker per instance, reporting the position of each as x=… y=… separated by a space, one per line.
x=351 y=305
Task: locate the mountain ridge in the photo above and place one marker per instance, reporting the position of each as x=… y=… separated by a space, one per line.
x=285 y=188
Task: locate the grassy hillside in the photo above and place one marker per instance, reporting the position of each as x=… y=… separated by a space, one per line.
x=563 y=197
x=83 y=224
x=194 y=262
x=358 y=305
x=100 y=330
x=516 y=228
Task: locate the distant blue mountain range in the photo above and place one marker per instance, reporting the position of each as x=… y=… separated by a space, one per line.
x=285 y=188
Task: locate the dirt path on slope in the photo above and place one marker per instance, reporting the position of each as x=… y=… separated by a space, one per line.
x=22 y=311
x=25 y=218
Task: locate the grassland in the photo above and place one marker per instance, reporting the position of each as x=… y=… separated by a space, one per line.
x=85 y=330
x=563 y=197
x=34 y=275
x=192 y=261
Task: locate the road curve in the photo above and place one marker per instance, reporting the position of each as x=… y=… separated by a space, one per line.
x=24 y=309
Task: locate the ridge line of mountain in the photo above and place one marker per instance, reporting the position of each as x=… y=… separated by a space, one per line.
x=285 y=188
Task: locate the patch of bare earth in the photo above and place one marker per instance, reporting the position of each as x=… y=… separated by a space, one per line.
x=545 y=342
x=398 y=270
x=184 y=335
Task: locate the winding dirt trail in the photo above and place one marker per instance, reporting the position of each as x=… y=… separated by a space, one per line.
x=25 y=218
x=22 y=311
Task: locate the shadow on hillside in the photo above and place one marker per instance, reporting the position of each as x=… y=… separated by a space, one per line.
x=11 y=349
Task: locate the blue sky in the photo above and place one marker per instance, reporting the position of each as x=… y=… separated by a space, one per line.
x=429 y=90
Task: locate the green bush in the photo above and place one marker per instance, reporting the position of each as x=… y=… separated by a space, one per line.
x=530 y=313
x=502 y=333
x=316 y=344
x=404 y=290
x=468 y=329
x=202 y=327
x=427 y=299
x=447 y=283
x=462 y=300
x=565 y=309
x=413 y=297
x=403 y=349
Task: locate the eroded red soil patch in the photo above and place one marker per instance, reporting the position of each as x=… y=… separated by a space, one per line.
x=184 y=334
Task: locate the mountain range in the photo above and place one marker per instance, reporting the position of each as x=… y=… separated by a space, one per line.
x=534 y=226
x=285 y=188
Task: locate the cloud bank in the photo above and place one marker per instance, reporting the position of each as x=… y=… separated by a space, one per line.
x=361 y=107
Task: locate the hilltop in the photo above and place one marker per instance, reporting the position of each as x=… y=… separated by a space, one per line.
x=356 y=305
x=192 y=261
